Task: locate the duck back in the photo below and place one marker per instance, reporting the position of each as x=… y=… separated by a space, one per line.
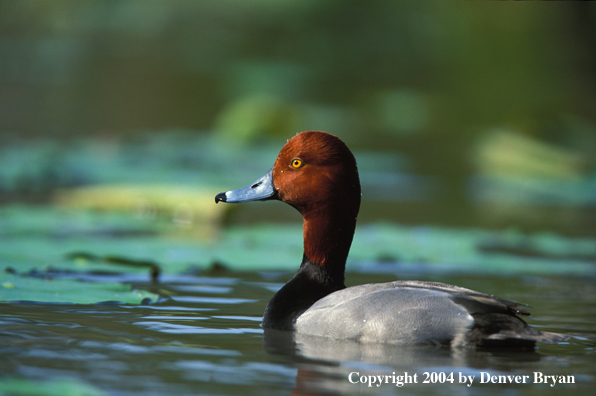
x=416 y=312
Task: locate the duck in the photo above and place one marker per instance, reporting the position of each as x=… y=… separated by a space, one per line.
x=316 y=173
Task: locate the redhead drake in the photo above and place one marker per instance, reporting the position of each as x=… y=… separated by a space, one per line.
x=316 y=173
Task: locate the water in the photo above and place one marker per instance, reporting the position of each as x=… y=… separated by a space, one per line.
x=204 y=337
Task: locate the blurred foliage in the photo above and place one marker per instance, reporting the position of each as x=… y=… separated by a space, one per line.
x=186 y=207
x=438 y=68
x=172 y=178
x=482 y=101
x=63 y=243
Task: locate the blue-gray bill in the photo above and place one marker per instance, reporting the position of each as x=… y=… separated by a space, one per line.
x=261 y=190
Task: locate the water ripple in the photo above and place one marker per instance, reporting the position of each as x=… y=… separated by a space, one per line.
x=172 y=328
x=212 y=300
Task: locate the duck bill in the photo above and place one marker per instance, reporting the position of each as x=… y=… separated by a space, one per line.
x=261 y=190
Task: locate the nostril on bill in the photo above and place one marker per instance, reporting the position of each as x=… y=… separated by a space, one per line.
x=256 y=185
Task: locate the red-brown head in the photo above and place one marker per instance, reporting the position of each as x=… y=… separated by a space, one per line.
x=316 y=170
x=316 y=173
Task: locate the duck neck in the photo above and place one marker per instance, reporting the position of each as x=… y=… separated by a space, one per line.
x=329 y=226
x=311 y=283
x=326 y=247
x=328 y=234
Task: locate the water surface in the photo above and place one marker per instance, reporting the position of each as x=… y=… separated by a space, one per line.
x=204 y=337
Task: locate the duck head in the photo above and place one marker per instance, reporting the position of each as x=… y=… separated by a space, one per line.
x=316 y=173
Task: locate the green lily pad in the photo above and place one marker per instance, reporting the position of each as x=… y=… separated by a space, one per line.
x=18 y=288
x=41 y=238
x=57 y=387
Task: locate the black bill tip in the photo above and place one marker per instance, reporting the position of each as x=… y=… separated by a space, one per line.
x=221 y=197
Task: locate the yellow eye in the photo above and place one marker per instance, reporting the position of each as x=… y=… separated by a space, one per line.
x=296 y=163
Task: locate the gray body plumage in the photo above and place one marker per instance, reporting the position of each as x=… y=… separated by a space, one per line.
x=413 y=312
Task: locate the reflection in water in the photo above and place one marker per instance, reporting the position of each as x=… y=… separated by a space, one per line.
x=327 y=366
